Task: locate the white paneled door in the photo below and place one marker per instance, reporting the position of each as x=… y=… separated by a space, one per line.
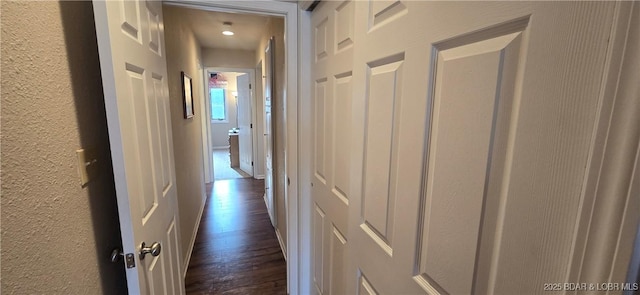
x=245 y=138
x=333 y=68
x=134 y=72
x=450 y=142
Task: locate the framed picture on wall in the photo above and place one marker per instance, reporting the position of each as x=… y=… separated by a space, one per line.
x=187 y=96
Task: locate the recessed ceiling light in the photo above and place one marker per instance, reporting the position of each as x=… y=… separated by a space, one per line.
x=227 y=29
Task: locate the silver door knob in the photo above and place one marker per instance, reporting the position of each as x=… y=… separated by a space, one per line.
x=154 y=250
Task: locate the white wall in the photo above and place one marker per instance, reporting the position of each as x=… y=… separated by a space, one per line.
x=183 y=54
x=228 y=58
x=220 y=130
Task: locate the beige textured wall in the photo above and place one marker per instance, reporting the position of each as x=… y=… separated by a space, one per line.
x=228 y=58
x=275 y=27
x=220 y=131
x=56 y=236
x=183 y=54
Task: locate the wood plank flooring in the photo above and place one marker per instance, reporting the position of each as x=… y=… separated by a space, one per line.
x=236 y=249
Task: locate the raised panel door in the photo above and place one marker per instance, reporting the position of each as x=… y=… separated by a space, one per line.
x=134 y=72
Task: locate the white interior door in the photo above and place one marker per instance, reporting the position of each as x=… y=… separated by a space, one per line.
x=468 y=135
x=205 y=119
x=332 y=79
x=268 y=133
x=245 y=138
x=134 y=73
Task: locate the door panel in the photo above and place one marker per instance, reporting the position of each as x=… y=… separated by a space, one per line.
x=342 y=137
x=466 y=140
x=173 y=260
x=365 y=287
x=337 y=257
x=319 y=251
x=466 y=150
x=134 y=72
x=380 y=170
x=333 y=51
x=245 y=142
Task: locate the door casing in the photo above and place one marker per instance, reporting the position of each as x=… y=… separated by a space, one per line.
x=259 y=171
x=207 y=103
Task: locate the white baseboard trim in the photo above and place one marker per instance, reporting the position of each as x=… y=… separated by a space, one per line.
x=259 y=176
x=284 y=249
x=193 y=240
x=264 y=197
x=266 y=204
x=224 y=147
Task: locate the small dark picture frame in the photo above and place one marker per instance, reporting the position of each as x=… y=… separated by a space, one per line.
x=187 y=96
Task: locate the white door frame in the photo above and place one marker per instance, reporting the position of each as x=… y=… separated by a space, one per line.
x=298 y=58
x=207 y=104
x=259 y=122
x=259 y=137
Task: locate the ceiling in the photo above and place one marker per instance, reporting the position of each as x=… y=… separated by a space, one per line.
x=207 y=27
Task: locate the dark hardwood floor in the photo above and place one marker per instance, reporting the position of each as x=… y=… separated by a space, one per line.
x=236 y=249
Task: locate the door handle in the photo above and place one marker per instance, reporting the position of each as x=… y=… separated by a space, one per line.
x=154 y=250
x=115 y=255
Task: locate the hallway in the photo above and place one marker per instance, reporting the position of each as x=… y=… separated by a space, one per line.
x=222 y=166
x=236 y=249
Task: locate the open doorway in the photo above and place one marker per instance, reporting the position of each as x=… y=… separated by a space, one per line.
x=230 y=102
x=237 y=79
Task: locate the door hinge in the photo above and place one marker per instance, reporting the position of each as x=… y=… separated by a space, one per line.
x=251 y=163
x=249 y=85
x=130 y=260
x=250 y=125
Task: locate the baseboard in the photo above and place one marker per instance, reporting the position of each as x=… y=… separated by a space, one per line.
x=224 y=147
x=266 y=204
x=284 y=249
x=193 y=240
x=259 y=176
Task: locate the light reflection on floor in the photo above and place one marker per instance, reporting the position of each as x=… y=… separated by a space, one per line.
x=228 y=211
x=222 y=166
